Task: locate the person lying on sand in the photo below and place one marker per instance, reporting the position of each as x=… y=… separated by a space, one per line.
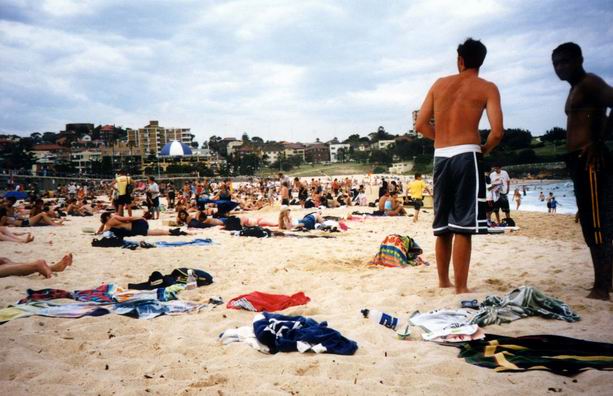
x=9 y=267
x=123 y=226
x=19 y=237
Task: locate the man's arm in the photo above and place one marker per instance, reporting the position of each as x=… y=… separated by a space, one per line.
x=422 y=124
x=494 y=116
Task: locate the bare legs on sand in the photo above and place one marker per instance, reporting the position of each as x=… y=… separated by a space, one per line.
x=19 y=237
x=8 y=267
x=602 y=259
x=456 y=247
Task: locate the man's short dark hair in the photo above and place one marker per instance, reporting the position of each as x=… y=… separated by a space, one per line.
x=473 y=52
x=569 y=48
x=417 y=175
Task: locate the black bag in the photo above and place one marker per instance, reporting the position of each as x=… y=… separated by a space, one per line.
x=508 y=222
x=233 y=224
x=129 y=187
x=256 y=231
x=108 y=242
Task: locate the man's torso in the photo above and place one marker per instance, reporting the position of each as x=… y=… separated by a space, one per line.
x=586 y=115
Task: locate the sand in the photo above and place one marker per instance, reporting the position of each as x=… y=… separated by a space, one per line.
x=181 y=354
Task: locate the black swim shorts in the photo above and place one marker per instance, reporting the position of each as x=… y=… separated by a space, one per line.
x=459 y=194
x=418 y=203
x=124 y=199
x=502 y=204
x=594 y=194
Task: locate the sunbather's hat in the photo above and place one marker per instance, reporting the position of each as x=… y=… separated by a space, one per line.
x=202 y=278
x=156 y=280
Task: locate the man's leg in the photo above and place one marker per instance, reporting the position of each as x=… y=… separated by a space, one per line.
x=120 y=209
x=443 y=257
x=601 y=260
x=23 y=269
x=416 y=216
x=462 y=246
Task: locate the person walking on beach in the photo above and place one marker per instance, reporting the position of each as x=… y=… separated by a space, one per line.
x=588 y=160
x=517 y=198
x=457 y=103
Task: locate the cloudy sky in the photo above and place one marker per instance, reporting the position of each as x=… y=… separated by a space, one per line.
x=282 y=70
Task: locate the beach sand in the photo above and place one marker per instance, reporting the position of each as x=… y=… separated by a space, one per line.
x=182 y=355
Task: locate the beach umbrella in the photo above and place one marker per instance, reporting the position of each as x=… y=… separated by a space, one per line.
x=175 y=148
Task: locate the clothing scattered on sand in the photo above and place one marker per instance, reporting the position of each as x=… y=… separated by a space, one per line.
x=258 y=301
x=223 y=206
x=149 y=309
x=447 y=325
x=53 y=310
x=520 y=303
x=103 y=293
x=397 y=251
x=194 y=242
x=178 y=275
x=158 y=296
x=256 y=231
x=278 y=333
x=560 y=355
x=439 y=324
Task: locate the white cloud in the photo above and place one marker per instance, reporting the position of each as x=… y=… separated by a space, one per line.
x=278 y=69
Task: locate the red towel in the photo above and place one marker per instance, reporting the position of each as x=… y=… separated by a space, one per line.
x=258 y=301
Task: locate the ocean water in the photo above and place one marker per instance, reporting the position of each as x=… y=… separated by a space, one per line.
x=563 y=191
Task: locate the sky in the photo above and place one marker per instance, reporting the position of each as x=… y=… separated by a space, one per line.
x=281 y=70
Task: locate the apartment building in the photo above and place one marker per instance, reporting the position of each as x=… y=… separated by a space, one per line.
x=150 y=139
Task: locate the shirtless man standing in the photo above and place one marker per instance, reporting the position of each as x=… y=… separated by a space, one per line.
x=589 y=162
x=457 y=103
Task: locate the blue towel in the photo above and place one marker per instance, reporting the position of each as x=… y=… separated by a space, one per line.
x=223 y=206
x=281 y=333
x=195 y=242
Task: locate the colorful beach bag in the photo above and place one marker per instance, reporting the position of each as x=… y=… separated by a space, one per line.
x=397 y=251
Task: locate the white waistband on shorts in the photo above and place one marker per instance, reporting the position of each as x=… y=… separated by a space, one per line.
x=452 y=151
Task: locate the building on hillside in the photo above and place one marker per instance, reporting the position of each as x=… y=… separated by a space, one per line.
x=294 y=150
x=384 y=144
x=339 y=151
x=246 y=149
x=46 y=156
x=82 y=160
x=317 y=153
x=233 y=145
x=150 y=139
x=272 y=152
x=80 y=129
x=401 y=167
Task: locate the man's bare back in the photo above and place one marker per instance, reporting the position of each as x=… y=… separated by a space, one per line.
x=457 y=103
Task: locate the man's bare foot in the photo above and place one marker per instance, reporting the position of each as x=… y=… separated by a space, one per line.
x=30 y=238
x=42 y=268
x=62 y=264
x=462 y=290
x=444 y=285
x=599 y=294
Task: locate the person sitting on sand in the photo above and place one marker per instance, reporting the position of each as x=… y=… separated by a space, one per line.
x=9 y=267
x=123 y=226
x=397 y=208
x=385 y=202
x=19 y=237
x=39 y=216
